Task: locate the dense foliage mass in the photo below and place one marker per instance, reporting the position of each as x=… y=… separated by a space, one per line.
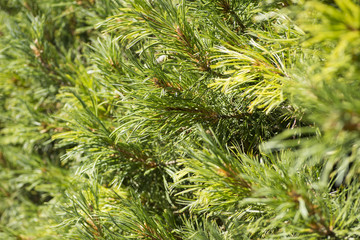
x=179 y=119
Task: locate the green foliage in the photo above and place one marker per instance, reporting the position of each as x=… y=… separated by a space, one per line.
x=179 y=119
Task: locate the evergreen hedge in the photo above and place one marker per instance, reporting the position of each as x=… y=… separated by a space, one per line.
x=179 y=119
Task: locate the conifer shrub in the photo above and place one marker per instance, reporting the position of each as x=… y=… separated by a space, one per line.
x=179 y=119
